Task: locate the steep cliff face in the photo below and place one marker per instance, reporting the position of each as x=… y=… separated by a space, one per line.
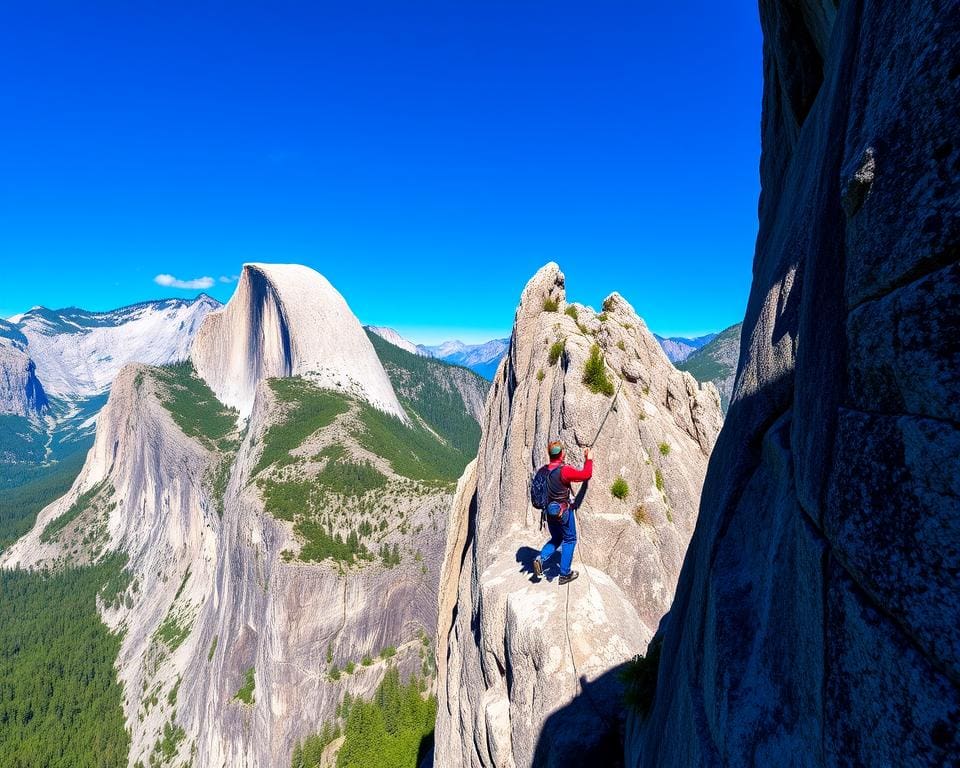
x=817 y=618
x=527 y=668
x=21 y=393
x=270 y=569
x=287 y=320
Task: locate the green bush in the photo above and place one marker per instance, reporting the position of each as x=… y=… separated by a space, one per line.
x=389 y=652
x=117 y=584
x=550 y=304
x=540 y=375
x=310 y=752
x=166 y=748
x=621 y=346
x=658 y=479
x=639 y=678
x=608 y=304
x=173 y=631
x=366 y=660
x=350 y=668
x=390 y=557
x=620 y=489
x=392 y=730
x=287 y=499
x=556 y=350
x=664 y=449
x=213 y=648
x=413 y=452
x=320 y=544
x=245 y=694
x=572 y=311
x=595 y=374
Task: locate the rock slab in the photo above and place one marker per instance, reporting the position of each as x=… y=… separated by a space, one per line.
x=817 y=618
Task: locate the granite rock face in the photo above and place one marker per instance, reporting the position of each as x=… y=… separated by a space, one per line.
x=21 y=393
x=817 y=618
x=528 y=669
x=288 y=320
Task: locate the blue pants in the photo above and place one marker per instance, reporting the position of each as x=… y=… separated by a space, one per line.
x=562 y=537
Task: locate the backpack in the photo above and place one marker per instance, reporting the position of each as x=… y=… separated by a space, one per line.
x=539 y=490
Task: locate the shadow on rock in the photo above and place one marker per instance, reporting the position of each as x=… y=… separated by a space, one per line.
x=526 y=556
x=588 y=731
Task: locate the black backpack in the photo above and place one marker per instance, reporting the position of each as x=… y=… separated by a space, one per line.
x=539 y=488
x=540 y=491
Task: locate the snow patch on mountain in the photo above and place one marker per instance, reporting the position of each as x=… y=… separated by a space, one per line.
x=78 y=353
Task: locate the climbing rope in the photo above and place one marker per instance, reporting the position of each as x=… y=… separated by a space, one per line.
x=573 y=659
x=613 y=404
x=566 y=610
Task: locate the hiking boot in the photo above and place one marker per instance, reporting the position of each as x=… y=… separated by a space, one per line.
x=538 y=567
x=569 y=577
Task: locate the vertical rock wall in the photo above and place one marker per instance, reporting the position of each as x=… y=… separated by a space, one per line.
x=817 y=618
x=528 y=671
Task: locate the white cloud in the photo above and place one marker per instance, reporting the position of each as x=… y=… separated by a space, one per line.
x=197 y=284
x=229 y=278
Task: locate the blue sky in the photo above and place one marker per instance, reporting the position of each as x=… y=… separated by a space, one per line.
x=427 y=157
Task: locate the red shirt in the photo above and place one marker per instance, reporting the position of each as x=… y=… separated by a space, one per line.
x=570 y=474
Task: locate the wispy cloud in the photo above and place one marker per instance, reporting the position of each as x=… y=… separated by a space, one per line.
x=229 y=278
x=197 y=284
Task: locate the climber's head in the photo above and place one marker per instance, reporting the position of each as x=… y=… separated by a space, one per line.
x=555 y=450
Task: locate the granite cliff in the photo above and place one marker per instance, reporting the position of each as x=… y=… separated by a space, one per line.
x=817 y=617
x=527 y=670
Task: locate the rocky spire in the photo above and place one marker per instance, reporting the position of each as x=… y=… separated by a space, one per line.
x=530 y=667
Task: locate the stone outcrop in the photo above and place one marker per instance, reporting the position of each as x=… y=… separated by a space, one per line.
x=287 y=320
x=21 y=393
x=528 y=670
x=817 y=618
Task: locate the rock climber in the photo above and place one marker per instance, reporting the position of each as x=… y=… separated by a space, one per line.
x=560 y=509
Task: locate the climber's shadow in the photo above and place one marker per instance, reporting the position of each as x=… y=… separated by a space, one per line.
x=526 y=556
x=589 y=729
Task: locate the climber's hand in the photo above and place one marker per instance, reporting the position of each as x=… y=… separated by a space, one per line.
x=586 y=454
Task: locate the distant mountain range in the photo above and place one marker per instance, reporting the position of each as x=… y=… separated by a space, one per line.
x=480 y=358
x=716 y=361
x=485 y=358
x=679 y=348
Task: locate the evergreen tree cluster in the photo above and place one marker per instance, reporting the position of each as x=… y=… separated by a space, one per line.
x=60 y=701
x=393 y=730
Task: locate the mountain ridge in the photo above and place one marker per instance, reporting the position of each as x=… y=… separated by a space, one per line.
x=310 y=539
